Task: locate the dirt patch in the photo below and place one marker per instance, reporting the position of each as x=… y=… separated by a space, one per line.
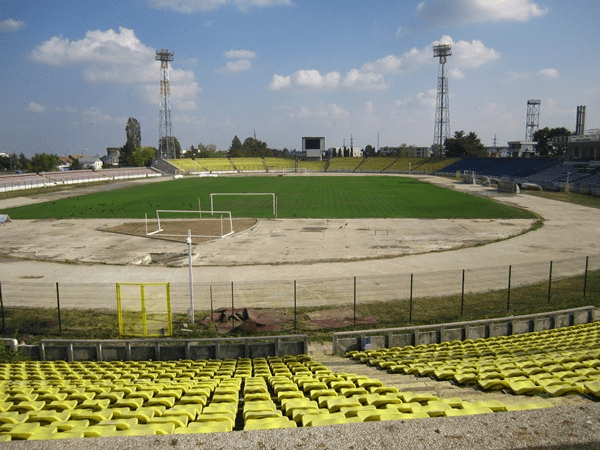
x=176 y=230
x=248 y=320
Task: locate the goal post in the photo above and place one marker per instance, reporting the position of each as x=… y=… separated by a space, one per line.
x=245 y=194
x=224 y=219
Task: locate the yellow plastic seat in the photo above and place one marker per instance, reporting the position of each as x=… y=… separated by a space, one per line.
x=27 y=406
x=269 y=423
x=211 y=418
x=12 y=417
x=25 y=430
x=592 y=387
x=525 y=406
x=494 y=405
x=556 y=390
x=91 y=415
x=48 y=416
x=205 y=427
x=526 y=387
x=334 y=404
x=191 y=411
x=119 y=424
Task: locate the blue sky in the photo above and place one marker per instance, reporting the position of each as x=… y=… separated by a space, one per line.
x=73 y=71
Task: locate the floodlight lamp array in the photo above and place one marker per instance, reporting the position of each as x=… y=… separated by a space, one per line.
x=442 y=50
x=164 y=55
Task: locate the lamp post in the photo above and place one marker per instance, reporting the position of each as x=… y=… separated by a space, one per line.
x=188 y=241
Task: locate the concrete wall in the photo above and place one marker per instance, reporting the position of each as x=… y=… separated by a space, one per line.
x=165 y=349
x=459 y=331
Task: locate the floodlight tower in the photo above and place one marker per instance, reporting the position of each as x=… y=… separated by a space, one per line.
x=580 y=125
x=442 y=106
x=166 y=149
x=533 y=119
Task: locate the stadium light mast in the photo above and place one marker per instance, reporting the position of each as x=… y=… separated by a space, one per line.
x=166 y=148
x=533 y=119
x=442 y=106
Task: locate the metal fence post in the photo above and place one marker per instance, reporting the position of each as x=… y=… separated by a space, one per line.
x=587 y=261
x=410 y=305
x=212 y=312
x=232 y=308
x=508 y=297
x=2 y=307
x=550 y=283
x=462 y=295
x=58 y=307
x=295 y=308
x=355 y=302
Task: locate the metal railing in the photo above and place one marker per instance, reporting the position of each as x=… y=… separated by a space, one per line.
x=410 y=297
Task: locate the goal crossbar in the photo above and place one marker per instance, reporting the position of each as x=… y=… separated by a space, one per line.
x=246 y=193
x=212 y=213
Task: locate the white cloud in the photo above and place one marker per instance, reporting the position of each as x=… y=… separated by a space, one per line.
x=36 y=107
x=190 y=120
x=365 y=80
x=280 y=83
x=325 y=114
x=11 y=25
x=242 y=61
x=119 y=57
x=240 y=65
x=469 y=55
x=548 y=73
x=519 y=76
x=246 y=54
x=195 y=6
x=478 y=11
x=372 y=75
x=306 y=79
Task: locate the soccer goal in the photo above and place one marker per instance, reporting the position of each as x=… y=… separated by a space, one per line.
x=246 y=204
x=202 y=224
x=144 y=309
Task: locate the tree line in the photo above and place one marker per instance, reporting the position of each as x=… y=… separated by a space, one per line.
x=40 y=162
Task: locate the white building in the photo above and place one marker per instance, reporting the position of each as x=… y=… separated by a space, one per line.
x=90 y=162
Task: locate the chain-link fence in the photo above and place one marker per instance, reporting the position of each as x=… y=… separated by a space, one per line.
x=402 y=298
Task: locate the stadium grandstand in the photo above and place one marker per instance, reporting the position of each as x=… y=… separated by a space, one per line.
x=375 y=164
x=47 y=179
x=553 y=362
x=46 y=400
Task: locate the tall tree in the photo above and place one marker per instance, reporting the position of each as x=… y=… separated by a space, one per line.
x=369 y=150
x=544 y=139
x=134 y=140
x=464 y=146
x=235 y=149
x=143 y=156
x=134 y=132
x=43 y=162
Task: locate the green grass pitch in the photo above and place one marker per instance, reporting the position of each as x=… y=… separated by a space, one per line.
x=298 y=197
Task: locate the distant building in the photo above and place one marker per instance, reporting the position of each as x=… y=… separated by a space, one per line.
x=112 y=156
x=584 y=147
x=522 y=149
x=497 y=152
x=408 y=152
x=90 y=162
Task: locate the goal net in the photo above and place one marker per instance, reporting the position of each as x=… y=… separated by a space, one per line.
x=247 y=204
x=202 y=224
x=144 y=309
